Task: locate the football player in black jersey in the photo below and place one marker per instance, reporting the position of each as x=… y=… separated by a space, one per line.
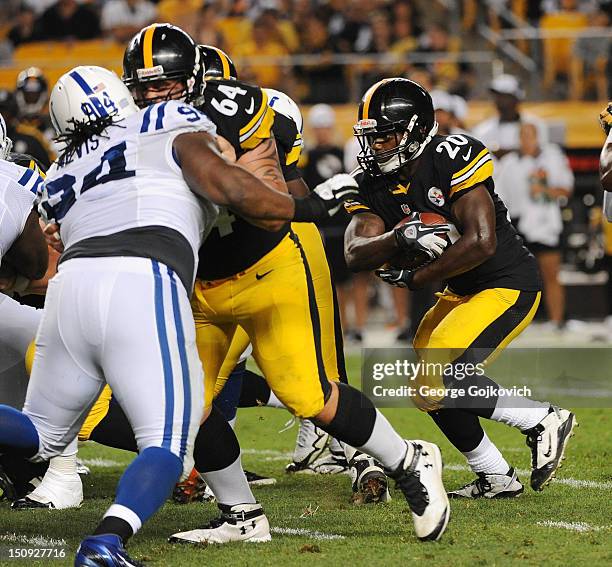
x=369 y=481
x=493 y=286
x=262 y=282
x=605 y=162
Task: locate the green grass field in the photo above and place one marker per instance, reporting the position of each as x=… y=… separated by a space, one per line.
x=570 y=523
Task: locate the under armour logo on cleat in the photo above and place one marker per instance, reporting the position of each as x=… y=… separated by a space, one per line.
x=428 y=465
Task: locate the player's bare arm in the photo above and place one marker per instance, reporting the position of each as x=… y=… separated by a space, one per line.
x=366 y=244
x=298 y=187
x=475 y=214
x=208 y=174
x=262 y=161
x=28 y=255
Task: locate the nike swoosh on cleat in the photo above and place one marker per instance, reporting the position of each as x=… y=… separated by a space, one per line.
x=260 y=276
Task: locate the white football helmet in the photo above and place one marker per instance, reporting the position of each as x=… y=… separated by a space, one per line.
x=285 y=105
x=87 y=93
x=6 y=144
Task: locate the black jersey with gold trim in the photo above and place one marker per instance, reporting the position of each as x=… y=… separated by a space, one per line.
x=448 y=168
x=240 y=112
x=242 y=116
x=289 y=145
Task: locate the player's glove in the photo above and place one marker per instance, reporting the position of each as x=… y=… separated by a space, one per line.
x=605 y=118
x=415 y=238
x=326 y=198
x=397 y=277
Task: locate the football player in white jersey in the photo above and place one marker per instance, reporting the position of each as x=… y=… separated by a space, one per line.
x=133 y=194
x=22 y=252
x=22 y=255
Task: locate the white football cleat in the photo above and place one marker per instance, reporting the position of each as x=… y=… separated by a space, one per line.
x=547 y=441
x=57 y=491
x=419 y=477
x=242 y=522
x=309 y=446
x=491 y=486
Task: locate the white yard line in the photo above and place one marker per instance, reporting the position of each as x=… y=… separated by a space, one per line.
x=307 y=533
x=38 y=541
x=573 y=526
x=101 y=463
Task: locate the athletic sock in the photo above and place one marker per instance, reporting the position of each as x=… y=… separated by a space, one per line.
x=217 y=459
x=524 y=415
x=229 y=397
x=274 y=402
x=461 y=427
x=230 y=485
x=487 y=458
x=143 y=488
x=359 y=424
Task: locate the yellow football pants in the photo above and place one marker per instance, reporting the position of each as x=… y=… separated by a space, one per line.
x=274 y=302
x=332 y=348
x=485 y=322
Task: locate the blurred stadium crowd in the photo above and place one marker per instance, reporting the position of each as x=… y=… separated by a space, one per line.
x=326 y=53
x=314 y=48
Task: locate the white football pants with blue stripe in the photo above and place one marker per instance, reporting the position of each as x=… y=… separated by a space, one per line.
x=126 y=322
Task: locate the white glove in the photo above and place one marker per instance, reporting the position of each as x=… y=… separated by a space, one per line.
x=336 y=190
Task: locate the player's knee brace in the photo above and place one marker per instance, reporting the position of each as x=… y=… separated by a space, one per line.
x=354 y=419
x=216 y=446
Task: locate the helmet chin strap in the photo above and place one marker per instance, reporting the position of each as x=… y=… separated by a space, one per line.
x=430 y=135
x=395 y=162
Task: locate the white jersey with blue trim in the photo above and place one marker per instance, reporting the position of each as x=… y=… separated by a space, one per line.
x=128 y=177
x=18 y=186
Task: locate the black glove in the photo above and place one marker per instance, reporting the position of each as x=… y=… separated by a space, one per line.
x=325 y=199
x=397 y=277
x=415 y=238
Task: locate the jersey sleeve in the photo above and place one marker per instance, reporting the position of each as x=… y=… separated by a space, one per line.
x=289 y=143
x=240 y=112
x=16 y=205
x=175 y=117
x=462 y=163
x=356 y=205
x=260 y=126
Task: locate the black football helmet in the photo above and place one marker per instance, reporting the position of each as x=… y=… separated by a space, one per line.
x=163 y=52
x=31 y=92
x=217 y=63
x=394 y=106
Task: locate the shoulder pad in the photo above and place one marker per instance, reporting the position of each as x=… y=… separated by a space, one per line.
x=240 y=112
x=462 y=162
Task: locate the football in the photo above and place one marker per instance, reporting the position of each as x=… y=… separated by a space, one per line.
x=403 y=261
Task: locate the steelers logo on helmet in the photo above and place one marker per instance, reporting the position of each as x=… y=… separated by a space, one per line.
x=161 y=63
x=395 y=123
x=217 y=63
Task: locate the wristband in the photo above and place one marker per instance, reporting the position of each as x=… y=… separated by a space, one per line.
x=310 y=209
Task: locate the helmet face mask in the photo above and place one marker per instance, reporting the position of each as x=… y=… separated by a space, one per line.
x=150 y=92
x=6 y=144
x=396 y=122
x=158 y=54
x=31 y=92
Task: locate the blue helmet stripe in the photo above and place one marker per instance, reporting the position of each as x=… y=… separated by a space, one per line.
x=82 y=83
